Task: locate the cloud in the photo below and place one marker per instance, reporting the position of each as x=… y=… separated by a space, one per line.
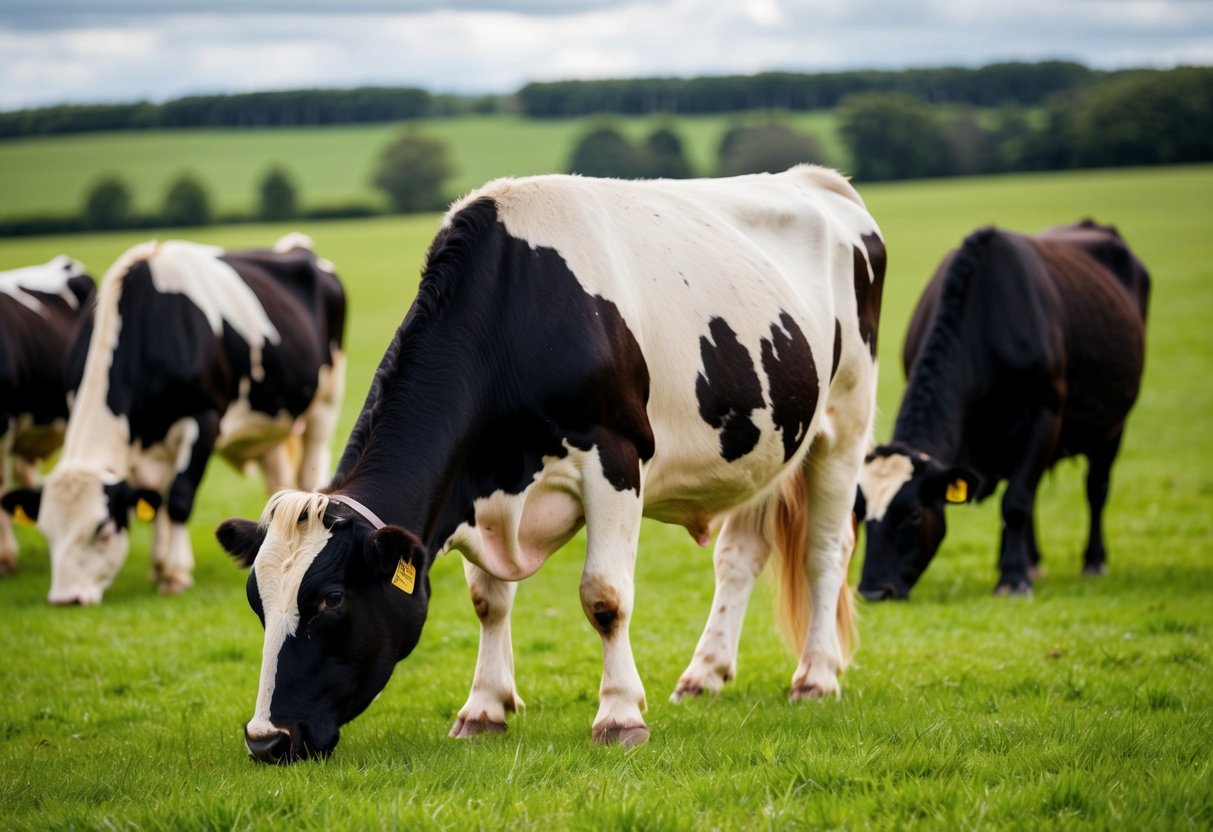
x=159 y=49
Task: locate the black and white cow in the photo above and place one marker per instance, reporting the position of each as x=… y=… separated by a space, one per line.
x=40 y=307
x=192 y=349
x=1022 y=351
x=586 y=351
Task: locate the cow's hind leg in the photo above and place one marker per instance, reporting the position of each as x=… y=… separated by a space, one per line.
x=276 y=465
x=1099 y=471
x=8 y=540
x=493 y=693
x=830 y=474
x=741 y=552
x=612 y=522
x=320 y=421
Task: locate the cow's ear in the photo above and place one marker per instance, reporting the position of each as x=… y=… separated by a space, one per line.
x=145 y=502
x=82 y=287
x=393 y=548
x=955 y=485
x=860 y=509
x=23 y=504
x=241 y=539
x=124 y=499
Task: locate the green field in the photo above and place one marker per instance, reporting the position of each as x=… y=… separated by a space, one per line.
x=329 y=165
x=1090 y=706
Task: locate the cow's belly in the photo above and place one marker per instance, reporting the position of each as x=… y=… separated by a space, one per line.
x=246 y=435
x=33 y=441
x=689 y=483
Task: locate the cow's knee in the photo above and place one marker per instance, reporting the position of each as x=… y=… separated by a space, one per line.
x=604 y=605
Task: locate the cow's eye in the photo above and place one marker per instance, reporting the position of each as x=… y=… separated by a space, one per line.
x=914 y=517
x=332 y=600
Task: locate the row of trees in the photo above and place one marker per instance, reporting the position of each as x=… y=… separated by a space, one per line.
x=292 y=108
x=1026 y=84
x=988 y=86
x=1153 y=118
x=411 y=172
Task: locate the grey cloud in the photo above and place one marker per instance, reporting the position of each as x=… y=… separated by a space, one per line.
x=73 y=14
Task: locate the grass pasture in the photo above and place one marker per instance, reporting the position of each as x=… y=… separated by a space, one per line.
x=1089 y=706
x=329 y=165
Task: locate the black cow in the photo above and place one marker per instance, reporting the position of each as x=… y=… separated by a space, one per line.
x=586 y=351
x=40 y=307
x=1022 y=351
x=192 y=349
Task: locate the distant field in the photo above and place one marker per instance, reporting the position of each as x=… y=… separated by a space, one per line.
x=1090 y=706
x=330 y=165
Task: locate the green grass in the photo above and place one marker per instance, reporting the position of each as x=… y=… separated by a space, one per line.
x=1087 y=707
x=329 y=165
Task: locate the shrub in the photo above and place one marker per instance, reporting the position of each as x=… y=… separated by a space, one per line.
x=412 y=170
x=186 y=203
x=892 y=136
x=278 y=198
x=107 y=205
x=666 y=157
x=768 y=148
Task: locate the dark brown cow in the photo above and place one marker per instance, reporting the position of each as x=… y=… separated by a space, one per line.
x=1022 y=351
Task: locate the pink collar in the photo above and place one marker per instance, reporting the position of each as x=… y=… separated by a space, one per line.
x=369 y=515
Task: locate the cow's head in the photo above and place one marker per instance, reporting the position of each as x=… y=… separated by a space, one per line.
x=341 y=602
x=902 y=494
x=84 y=514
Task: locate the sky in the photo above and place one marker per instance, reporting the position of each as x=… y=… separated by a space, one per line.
x=85 y=51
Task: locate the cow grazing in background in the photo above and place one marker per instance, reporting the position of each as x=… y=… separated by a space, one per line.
x=586 y=351
x=1022 y=351
x=40 y=307
x=192 y=349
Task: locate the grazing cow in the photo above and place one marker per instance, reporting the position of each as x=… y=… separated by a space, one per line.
x=192 y=349
x=1022 y=351
x=39 y=309
x=585 y=351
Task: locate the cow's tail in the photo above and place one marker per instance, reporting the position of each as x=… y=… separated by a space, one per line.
x=789 y=531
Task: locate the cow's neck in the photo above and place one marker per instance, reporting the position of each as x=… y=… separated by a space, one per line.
x=408 y=450
x=96 y=436
x=935 y=409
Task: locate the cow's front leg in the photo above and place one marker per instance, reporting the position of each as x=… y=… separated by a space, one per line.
x=741 y=552
x=612 y=520
x=493 y=693
x=1018 y=504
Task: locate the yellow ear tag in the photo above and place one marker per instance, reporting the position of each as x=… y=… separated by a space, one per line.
x=144 y=511
x=958 y=491
x=405 y=577
x=21 y=518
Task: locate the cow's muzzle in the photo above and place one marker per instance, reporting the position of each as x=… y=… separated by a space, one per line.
x=275 y=748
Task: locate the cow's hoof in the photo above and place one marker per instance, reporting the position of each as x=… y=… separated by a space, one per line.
x=1035 y=572
x=175 y=586
x=629 y=736
x=1020 y=589
x=465 y=728
x=799 y=693
x=694 y=685
x=1094 y=570
x=7 y=567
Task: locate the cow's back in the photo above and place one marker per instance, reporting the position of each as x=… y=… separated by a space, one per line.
x=1103 y=319
x=37 y=322
x=708 y=275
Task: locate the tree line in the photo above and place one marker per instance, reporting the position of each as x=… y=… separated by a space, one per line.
x=1026 y=84
x=290 y=108
x=988 y=86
